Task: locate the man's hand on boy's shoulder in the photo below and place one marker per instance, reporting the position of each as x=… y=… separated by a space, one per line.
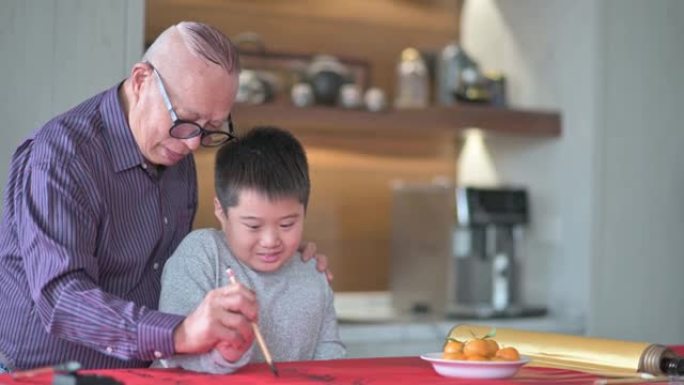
x=308 y=250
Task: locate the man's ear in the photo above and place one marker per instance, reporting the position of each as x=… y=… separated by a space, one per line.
x=139 y=73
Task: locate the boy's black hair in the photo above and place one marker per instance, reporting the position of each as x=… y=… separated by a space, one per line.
x=266 y=159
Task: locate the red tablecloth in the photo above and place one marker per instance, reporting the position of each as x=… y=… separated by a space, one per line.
x=376 y=371
x=367 y=371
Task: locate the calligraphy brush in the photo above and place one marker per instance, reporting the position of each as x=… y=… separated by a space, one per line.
x=257 y=333
x=67 y=367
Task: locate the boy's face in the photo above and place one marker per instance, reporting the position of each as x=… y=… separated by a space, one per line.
x=261 y=233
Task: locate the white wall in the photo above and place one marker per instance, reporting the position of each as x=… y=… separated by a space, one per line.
x=550 y=63
x=56 y=53
x=608 y=222
x=639 y=259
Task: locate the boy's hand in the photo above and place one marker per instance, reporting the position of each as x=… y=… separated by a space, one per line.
x=224 y=315
x=228 y=352
x=308 y=250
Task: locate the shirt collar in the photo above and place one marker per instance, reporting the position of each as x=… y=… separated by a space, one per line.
x=123 y=148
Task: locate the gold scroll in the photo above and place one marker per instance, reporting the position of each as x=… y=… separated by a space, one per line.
x=613 y=358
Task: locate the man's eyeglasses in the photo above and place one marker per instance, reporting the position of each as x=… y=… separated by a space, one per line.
x=186 y=129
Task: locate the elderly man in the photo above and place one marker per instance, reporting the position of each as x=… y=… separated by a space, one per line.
x=96 y=202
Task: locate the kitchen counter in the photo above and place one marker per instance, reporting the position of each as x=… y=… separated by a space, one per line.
x=370 y=327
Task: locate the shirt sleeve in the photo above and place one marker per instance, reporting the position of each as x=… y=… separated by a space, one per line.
x=329 y=344
x=57 y=227
x=190 y=273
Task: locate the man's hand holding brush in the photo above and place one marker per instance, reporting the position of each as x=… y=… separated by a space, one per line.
x=223 y=320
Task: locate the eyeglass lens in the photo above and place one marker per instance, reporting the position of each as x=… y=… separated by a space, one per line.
x=187 y=130
x=211 y=139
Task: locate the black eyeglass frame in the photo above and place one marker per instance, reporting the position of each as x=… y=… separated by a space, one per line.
x=220 y=136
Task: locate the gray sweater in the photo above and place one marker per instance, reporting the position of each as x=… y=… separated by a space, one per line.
x=296 y=313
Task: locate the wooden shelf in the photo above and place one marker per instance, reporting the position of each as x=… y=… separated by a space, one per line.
x=430 y=121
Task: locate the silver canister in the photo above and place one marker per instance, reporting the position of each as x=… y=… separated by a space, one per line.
x=451 y=62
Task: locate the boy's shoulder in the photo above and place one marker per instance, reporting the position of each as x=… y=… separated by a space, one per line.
x=198 y=253
x=305 y=270
x=199 y=243
x=203 y=235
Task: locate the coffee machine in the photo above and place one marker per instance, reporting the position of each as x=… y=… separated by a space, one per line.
x=456 y=251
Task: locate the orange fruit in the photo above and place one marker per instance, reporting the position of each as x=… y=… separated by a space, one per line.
x=476 y=347
x=454 y=356
x=508 y=354
x=493 y=347
x=477 y=357
x=453 y=346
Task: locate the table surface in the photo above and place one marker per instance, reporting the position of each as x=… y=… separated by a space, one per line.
x=365 y=371
x=396 y=370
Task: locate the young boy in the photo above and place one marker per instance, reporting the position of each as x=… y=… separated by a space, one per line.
x=262 y=190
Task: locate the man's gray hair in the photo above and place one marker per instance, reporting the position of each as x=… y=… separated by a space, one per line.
x=206 y=42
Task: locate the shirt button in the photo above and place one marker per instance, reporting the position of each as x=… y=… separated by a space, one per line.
x=158 y=354
x=166 y=220
x=109 y=350
x=144 y=166
x=156 y=265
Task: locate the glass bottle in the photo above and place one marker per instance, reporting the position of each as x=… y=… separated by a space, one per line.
x=412 y=89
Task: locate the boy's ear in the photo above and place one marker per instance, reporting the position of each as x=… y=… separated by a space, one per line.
x=218 y=210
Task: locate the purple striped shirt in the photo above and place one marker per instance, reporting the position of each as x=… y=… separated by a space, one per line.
x=86 y=229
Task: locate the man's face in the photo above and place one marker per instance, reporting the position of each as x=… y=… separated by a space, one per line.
x=204 y=97
x=261 y=233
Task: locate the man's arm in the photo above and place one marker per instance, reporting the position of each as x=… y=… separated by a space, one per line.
x=57 y=228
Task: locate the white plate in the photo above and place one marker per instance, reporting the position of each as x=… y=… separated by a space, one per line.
x=474 y=369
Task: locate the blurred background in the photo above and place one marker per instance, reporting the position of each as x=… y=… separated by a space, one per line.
x=576 y=104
